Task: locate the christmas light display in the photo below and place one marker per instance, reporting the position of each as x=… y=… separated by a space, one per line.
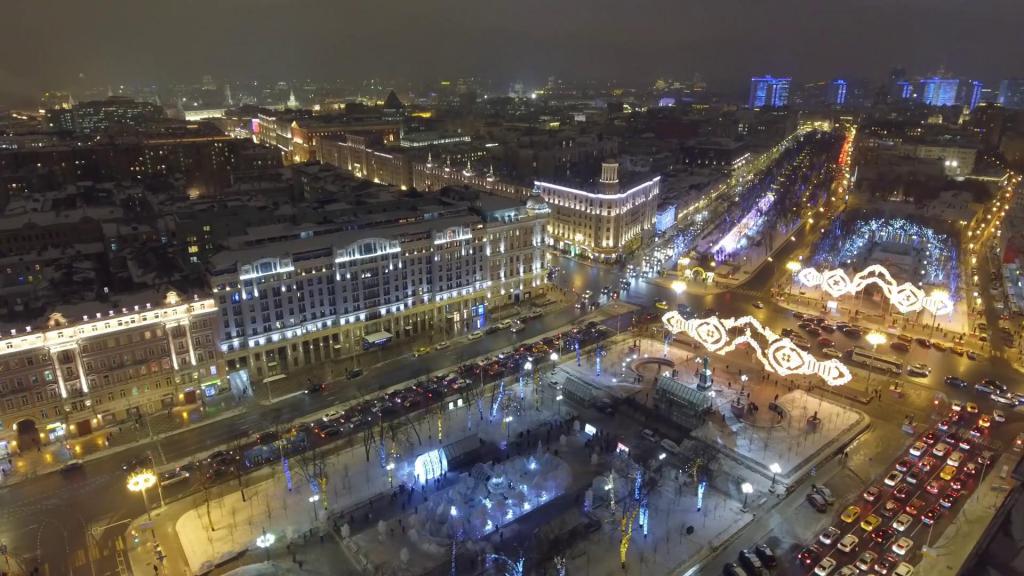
x=781 y=355
x=905 y=297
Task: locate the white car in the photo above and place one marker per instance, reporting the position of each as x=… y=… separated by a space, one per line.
x=941 y=449
x=902 y=545
x=517 y=326
x=957 y=405
x=866 y=560
x=918 y=448
x=829 y=536
x=998 y=415
x=505 y=324
x=919 y=369
x=847 y=571
x=831 y=352
x=893 y=478
x=903 y=569
x=442 y=345
x=902 y=522
x=476 y=334
x=1003 y=399
x=825 y=567
x=848 y=543
x=955 y=458
x=331 y=415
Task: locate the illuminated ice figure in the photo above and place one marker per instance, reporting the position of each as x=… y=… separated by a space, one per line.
x=643 y=516
x=430 y=465
x=638 y=485
x=498 y=397
x=578 y=354
x=700 y=494
x=532 y=463
x=454 y=511
x=287 y=473
x=510 y=567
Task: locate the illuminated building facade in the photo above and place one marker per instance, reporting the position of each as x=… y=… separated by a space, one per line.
x=1011 y=93
x=604 y=224
x=356 y=155
x=292 y=303
x=837 y=93
x=69 y=378
x=939 y=91
x=768 y=92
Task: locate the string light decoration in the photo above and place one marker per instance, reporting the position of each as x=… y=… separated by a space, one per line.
x=780 y=356
x=905 y=297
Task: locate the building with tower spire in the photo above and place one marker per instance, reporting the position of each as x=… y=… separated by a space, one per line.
x=292 y=104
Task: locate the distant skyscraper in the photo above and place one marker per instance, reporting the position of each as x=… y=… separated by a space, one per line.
x=904 y=90
x=1011 y=93
x=769 y=92
x=969 y=93
x=939 y=91
x=837 y=93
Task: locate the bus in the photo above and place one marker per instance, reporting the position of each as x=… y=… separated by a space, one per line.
x=874 y=360
x=376 y=340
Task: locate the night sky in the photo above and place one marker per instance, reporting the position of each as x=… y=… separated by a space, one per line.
x=49 y=43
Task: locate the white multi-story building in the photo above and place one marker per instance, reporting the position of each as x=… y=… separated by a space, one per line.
x=71 y=377
x=288 y=304
x=604 y=224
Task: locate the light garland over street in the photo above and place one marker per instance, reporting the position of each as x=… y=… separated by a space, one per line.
x=905 y=297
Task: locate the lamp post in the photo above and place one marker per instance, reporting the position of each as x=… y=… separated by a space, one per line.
x=554 y=361
x=874 y=338
x=793 y=266
x=940 y=295
x=140 y=482
x=747 y=488
x=776 y=469
x=265 y=541
x=508 y=429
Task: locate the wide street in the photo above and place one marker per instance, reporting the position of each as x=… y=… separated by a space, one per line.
x=45 y=519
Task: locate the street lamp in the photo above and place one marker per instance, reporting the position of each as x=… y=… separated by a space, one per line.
x=793 y=266
x=508 y=429
x=679 y=287
x=747 y=489
x=265 y=541
x=776 y=469
x=140 y=482
x=554 y=361
x=875 y=338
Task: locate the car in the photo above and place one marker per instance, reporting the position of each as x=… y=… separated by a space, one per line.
x=354 y=373
x=758 y=304
x=329 y=431
x=817 y=502
x=972 y=355
x=170 y=477
x=918 y=448
x=850 y=514
x=767 y=555
x=955 y=381
x=915 y=506
x=890 y=508
x=902 y=545
x=750 y=562
x=825 y=567
x=923 y=342
x=903 y=569
x=831 y=352
x=649 y=435
x=824 y=492
x=955 y=458
x=958 y=350
x=847 y=571
x=884 y=564
x=985 y=458
x=947 y=472
x=813 y=331
x=866 y=560
x=941 y=449
x=316 y=388
x=882 y=535
x=930 y=438
x=825 y=342
x=893 y=478
x=732 y=569
x=475 y=335
x=809 y=555
x=661 y=305
x=870 y=523
x=1003 y=399
x=943 y=425
x=828 y=536
x=919 y=369
x=421 y=351
x=930 y=515
x=72 y=465
x=904 y=465
x=852 y=333
x=949 y=498
x=902 y=522
x=938 y=346
x=137 y=463
x=971 y=408
x=826 y=327
x=990 y=385
x=491 y=329
x=927 y=464
x=912 y=477
x=670 y=446
x=268 y=437
x=605 y=406
x=985 y=421
x=442 y=345
x=958 y=483
x=956 y=405
x=848 y=543
x=872 y=494
x=964 y=444
x=902 y=492
x=899 y=346
x=977 y=431
x=517 y=326
x=998 y=415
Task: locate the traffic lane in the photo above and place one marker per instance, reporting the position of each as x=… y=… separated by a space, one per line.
x=917 y=492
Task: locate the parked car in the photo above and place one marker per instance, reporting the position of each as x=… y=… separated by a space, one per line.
x=899 y=346
x=824 y=492
x=767 y=555
x=817 y=502
x=170 y=477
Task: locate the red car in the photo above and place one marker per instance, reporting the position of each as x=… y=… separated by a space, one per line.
x=949 y=498
x=872 y=493
x=881 y=535
x=930 y=515
x=915 y=506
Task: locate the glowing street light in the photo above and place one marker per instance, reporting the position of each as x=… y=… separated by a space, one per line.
x=747 y=489
x=875 y=338
x=776 y=469
x=140 y=482
x=679 y=287
x=265 y=541
x=554 y=361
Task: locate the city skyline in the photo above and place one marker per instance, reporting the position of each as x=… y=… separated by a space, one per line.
x=525 y=41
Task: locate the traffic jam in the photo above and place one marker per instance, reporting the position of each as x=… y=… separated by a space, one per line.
x=884 y=529
x=270 y=446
